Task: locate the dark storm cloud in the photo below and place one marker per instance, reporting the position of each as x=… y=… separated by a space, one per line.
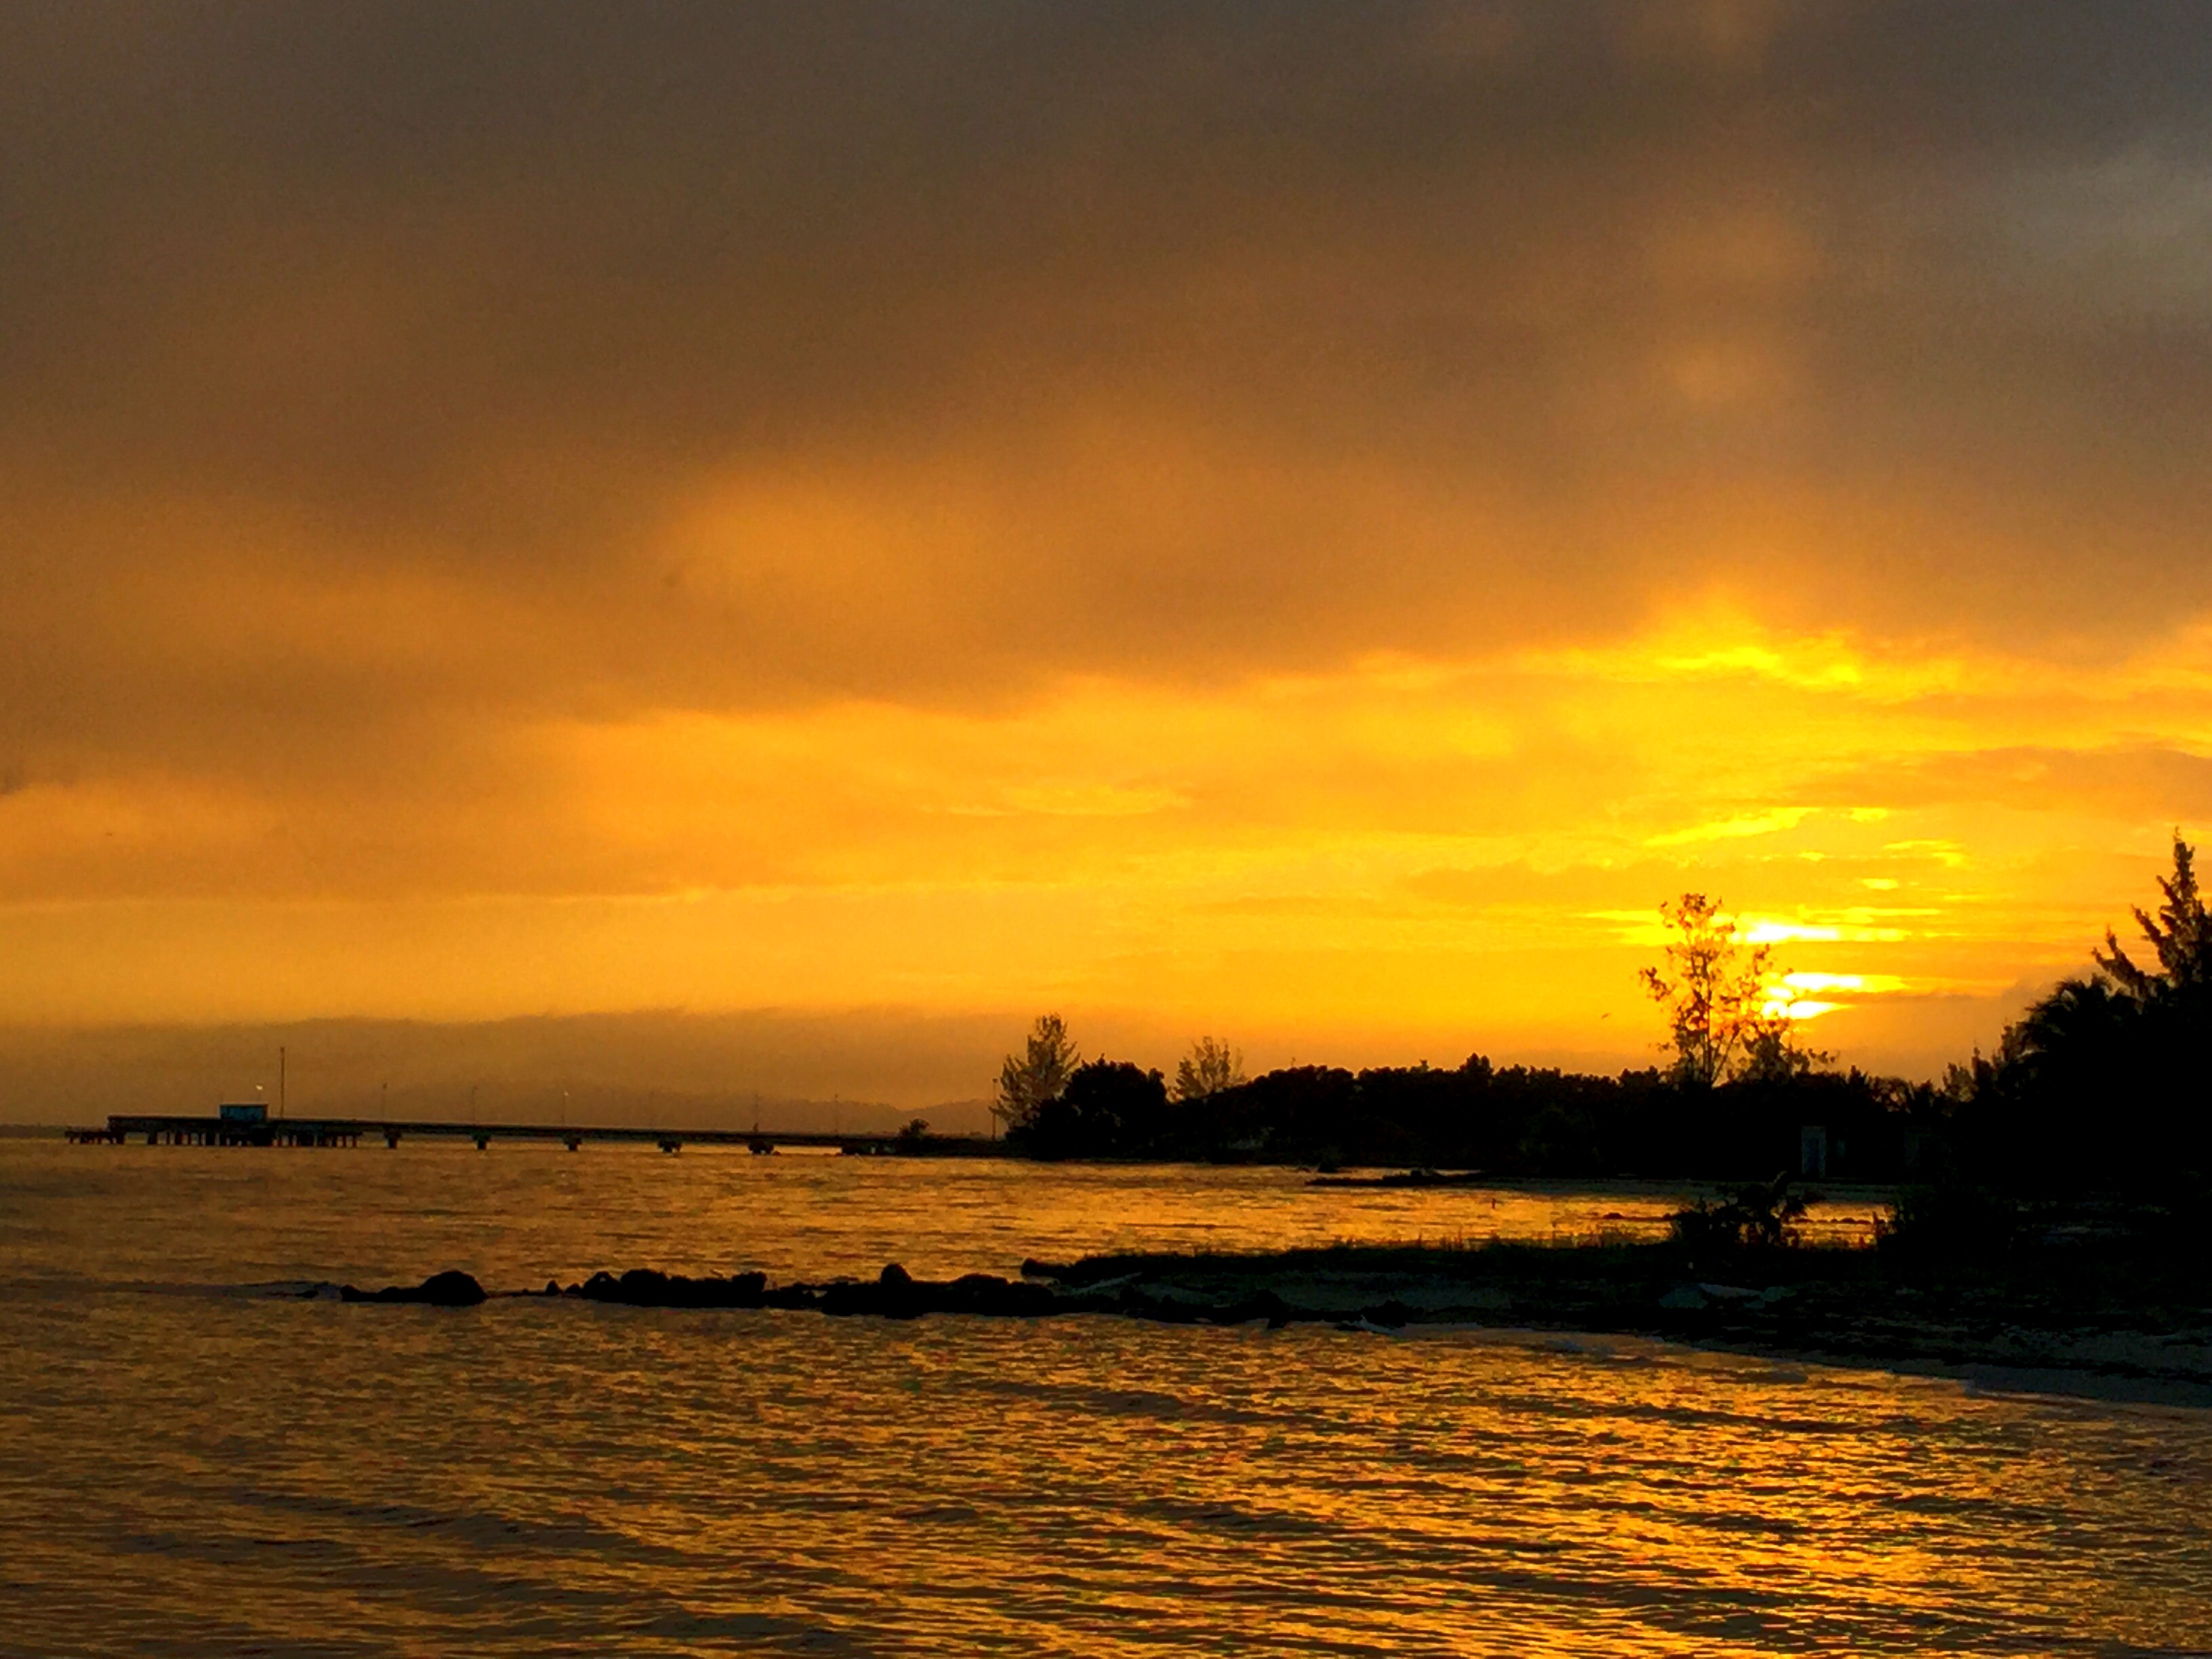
x=370 y=372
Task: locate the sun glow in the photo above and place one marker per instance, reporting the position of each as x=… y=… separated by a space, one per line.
x=1474 y=850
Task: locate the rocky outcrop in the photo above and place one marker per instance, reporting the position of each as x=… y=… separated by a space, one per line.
x=897 y=1294
x=647 y=1287
x=450 y=1289
x=1837 y=1305
x=893 y=1294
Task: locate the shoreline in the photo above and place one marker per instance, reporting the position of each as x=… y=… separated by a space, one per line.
x=1818 y=1304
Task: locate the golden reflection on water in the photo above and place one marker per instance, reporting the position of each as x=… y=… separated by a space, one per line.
x=519 y=1213
x=187 y=1469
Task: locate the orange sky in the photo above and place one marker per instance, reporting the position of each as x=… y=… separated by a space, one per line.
x=1306 y=523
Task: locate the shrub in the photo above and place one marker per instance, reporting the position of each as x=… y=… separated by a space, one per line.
x=1949 y=1222
x=1763 y=1215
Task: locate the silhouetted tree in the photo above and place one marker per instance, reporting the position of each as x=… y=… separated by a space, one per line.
x=1721 y=1016
x=1774 y=1053
x=1210 y=1066
x=1033 y=1078
x=1110 y=1108
x=2181 y=934
x=2105 y=1082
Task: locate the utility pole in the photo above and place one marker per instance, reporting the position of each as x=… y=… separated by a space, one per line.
x=280 y=1079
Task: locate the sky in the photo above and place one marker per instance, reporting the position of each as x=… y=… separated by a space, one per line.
x=1303 y=522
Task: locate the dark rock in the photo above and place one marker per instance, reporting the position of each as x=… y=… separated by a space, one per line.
x=848 y=1296
x=893 y=1294
x=908 y=1298
x=987 y=1293
x=648 y=1287
x=746 y=1289
x=450 y=1289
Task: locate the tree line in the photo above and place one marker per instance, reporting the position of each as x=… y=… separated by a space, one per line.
x=2103 y=1084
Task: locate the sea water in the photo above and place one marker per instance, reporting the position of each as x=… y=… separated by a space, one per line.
x=194 y=1460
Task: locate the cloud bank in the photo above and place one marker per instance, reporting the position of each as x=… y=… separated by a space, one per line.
x=1294 y=515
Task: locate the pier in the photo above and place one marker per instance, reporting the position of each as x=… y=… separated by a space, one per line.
x=235 y=1130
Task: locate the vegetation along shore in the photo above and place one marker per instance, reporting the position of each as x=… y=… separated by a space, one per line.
x=2104 y=1087
x=2053 y=1220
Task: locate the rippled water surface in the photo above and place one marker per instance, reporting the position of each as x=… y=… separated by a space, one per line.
x=189 y=1464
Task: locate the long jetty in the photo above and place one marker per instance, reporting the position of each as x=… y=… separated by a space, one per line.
x=157 y=1129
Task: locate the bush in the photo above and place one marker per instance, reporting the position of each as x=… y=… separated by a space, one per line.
x=1762 y=1216
x=1949 y=1222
